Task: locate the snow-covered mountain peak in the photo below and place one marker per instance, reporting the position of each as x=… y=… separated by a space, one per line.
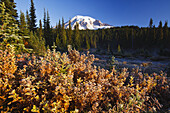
x=86 y=22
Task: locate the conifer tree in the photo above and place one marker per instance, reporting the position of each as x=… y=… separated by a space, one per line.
x=48 y=37
x=87 y=41
x=59 y=28
x=150 y=23
x=58 y=42
x=48 y=22
x=37 y=43
x=160 y=30
x=10 y=8
x=32 y=17
x=63 y=35
x=77 y=36
x=40 y=28
x=9 y=32
x=165 y=30
x=70 y=33
x=27 y=20
x=22 y=24
x=95 y=40
x=45 y=25
x=154 y=33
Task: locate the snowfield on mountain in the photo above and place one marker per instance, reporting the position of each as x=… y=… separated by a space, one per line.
x=86 y=22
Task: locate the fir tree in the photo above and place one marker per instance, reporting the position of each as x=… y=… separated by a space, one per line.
x=69 y=34
x=27 y=20
x=45 y=25
x=59 y=28
x=87 y=42
x=22 y=24
x=10 y=8
x=40 y=28
x=160 y=30
x=32 y=17
x=165 y=30
x=154 y=33
x=63 y=35
x=58 y=42
x=48 y=37
x=37 y=43
x=77 y=36
x=150 y=23
x=95 y=40
x=9 y=32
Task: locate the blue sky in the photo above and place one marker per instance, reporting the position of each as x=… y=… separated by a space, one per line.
x=113 y=12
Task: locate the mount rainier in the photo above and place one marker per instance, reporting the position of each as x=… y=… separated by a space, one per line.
x=86 y=22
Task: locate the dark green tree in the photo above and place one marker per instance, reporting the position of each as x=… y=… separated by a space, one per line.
x=22 y=24
x=151 y=23
x=40 y=29
x=49 y=40
x=32 y=17
x=45 y=25
x=154 y=33
x=87 y=41
x=77 y=36
x=165 y=30
x=160 y=35
x=63 y=35
x=27 y=20
x=59 y=28
x=69 y=34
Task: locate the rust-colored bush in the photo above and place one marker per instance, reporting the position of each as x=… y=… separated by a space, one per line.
x=71 y=83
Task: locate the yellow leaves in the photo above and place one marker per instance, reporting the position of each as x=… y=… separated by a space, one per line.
x=131 y=81
x=137 y=87
x=26 y=109
x=28 y=93
x=120 y=95
x=79 y=80
x=37 y=97
x=35 y=109
x=7 y=45
x=66 y=105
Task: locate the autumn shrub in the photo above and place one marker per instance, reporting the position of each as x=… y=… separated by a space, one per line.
x=71 y=83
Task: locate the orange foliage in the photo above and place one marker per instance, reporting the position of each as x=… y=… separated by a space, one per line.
x=71 y=83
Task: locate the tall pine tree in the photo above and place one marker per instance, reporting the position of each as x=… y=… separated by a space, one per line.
x=28 y=19
x=49 y=40
x=165 y=30
x=63 y=35
x=23 y=24
x=32 y=17
x=150 y=23
x=69 y=34
x=40 y=29
x=45 y=25
x=160 y=35
x=77 y=36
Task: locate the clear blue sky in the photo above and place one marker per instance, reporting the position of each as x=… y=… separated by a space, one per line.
x=113 y=12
